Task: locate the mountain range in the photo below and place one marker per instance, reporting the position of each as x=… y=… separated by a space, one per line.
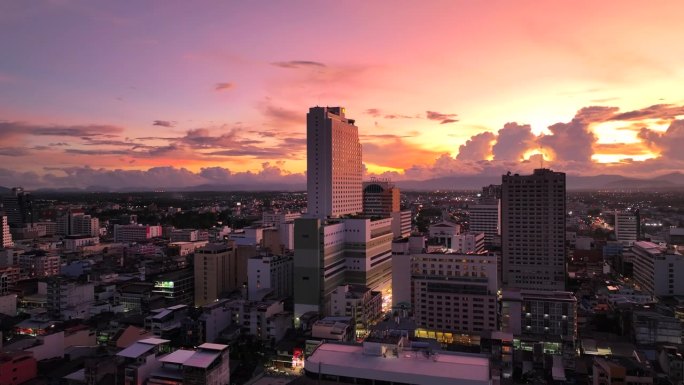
x=672 y=181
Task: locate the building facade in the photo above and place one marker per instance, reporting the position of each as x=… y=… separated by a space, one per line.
x=215 y=271
x=332 y=253
x=449 y=293
x=627 y=227
x=380 y=198
x=533 y=230
x=658 y=270
x=334 y=168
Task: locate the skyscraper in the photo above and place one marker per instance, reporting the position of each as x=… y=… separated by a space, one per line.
x=5 y=235
x=533 y=230
x=330 y=251
x=334 y=168
x=18 y=207
x=627 y=227
x=485 y=216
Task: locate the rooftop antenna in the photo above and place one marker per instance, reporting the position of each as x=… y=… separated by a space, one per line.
x=541 y=160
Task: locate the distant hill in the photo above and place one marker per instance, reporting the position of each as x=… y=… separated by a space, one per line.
x=673 y=180
x=574 y=182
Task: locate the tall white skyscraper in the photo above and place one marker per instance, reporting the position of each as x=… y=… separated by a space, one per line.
x=533 y=230
x=334 y=168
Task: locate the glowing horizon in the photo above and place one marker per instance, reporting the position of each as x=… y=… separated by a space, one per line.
x=219 y=92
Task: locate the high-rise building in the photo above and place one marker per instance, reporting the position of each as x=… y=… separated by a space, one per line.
x=329 y=254
x=627 y=227
x=5 y=235
x=485 y=216
x=18 y=207
x=380 y=198
x=334 y=168
x=215 y=271
x=76 y=222
x=449 y=293
x=533 y=230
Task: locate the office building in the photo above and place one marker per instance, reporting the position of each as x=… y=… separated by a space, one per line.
x=658 y=270
x=450 y=293
x=177 y=287
x=76 y=222
x=627 y=227
x=38 y=264
x=136 y=233
x=401 y=223
x=334 y=168
x=540 y=318
x=333 y=253
x=533 y=230
x=5 y=234
x=215 y=271
x=468 y=242
x=67 y=299
x=363 y=305
x=380 y=198
x=270 y=275
x=484 y=216
x=18 y=207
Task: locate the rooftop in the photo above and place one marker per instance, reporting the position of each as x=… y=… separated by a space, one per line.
x=409 y=366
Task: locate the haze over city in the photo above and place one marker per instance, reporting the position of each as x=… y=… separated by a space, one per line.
x=158 y=94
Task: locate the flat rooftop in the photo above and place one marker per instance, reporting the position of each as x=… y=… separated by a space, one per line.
x=410 y=367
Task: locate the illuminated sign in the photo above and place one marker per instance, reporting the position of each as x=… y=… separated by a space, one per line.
x=164 y=284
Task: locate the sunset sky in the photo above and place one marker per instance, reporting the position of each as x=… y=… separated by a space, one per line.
x=176 y=93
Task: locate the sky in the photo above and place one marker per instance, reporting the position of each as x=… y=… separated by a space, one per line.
x=173 y=93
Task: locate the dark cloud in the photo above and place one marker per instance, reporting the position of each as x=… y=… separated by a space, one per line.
x=223 y=86
x=96 y=152
x=513 y=141
x=574 y=141
x=13 y=151
x=157 y=177
x=374 y=112
x=444 y=118
x=10 y=129
x=670 y=143
x=281 y=115
x=299 y=64
x=658 y=111
x=164 y=123
x=478 y=147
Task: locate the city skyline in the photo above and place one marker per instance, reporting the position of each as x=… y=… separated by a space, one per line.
x=114 y=96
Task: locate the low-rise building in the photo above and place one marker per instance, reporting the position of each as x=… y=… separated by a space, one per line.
x=166 y=322
x=620 y=371
x=654 y=324
x=360 y=303
x=208 y=365
x=269 y=274
x=17 y=368
x=394 y=361
x=141 y=359
x=547 y=319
